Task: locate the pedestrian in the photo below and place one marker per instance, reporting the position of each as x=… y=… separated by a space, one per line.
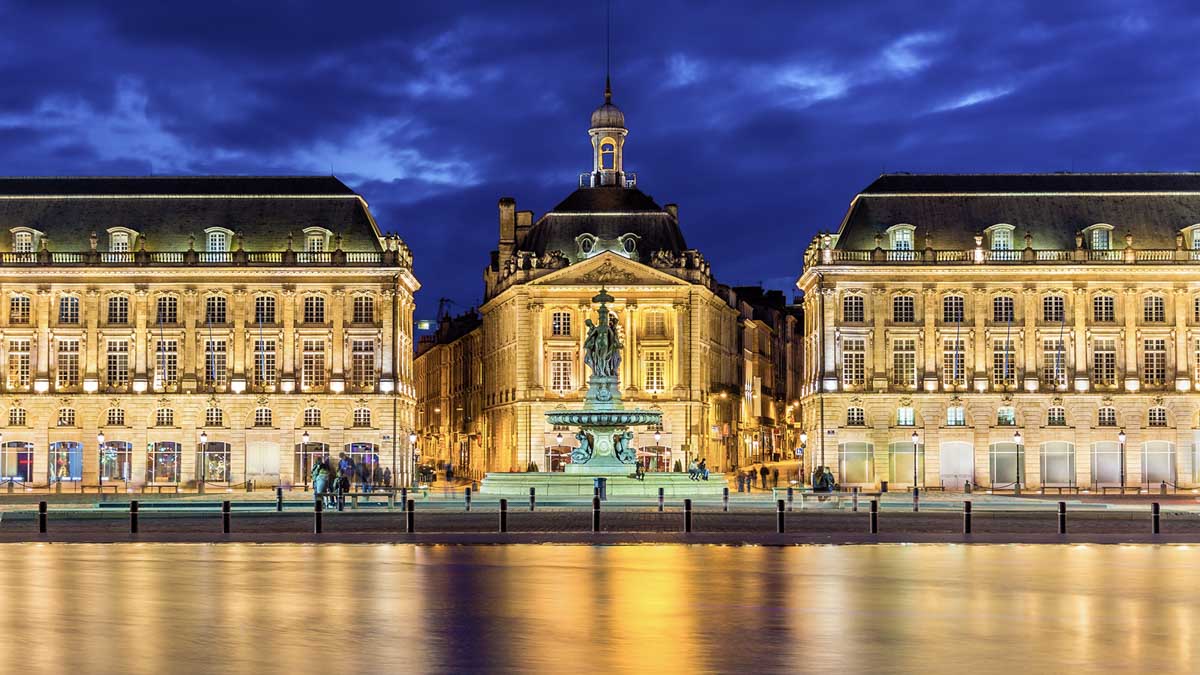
x=830 y=483
x=765 y=473
x=387 y=477
x=364 y=476
x=345 y=465
x=775 y=476
x=320 y=480
x=703 y=467
x=750 y=475
x=692 y=468
x=741 y=482
x=377 y=475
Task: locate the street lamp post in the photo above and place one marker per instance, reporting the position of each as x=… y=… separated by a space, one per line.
x=202 y=470
x=305 y=458
x=1020 y=461
x=100 y=463
x=803 y=453
x=916 y=438
x=1121 y=443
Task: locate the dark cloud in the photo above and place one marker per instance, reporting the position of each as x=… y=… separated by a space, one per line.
x=760 y=119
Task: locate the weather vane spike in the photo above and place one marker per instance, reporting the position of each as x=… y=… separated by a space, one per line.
x=608 y=51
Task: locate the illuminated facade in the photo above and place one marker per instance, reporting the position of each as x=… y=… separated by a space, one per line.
x=167 y=331
x=1040 y=329
x=484 y=391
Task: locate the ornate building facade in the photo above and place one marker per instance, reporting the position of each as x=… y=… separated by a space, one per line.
x=185 y=331
x=484 y=391
x=1031 y=330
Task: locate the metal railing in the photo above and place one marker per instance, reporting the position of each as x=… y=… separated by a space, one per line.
x=204 y=258
x=818 y=256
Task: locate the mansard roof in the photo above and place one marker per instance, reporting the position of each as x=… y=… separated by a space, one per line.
x=606 y=213
x=952 y=209
x=169 y=210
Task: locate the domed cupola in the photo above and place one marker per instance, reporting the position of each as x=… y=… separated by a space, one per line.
x=608 y=143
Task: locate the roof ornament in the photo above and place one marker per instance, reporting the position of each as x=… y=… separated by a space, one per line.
x=94 y=240
x=289 y=244
x=191 y=243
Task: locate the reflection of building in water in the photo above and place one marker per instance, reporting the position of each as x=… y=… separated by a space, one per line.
x=720 y=363
x=965 y=309
x=170 y=330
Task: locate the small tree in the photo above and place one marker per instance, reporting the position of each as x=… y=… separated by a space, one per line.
x=532 y=468
x=678 y=466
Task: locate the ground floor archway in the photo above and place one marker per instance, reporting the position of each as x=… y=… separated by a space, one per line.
x=956 y=466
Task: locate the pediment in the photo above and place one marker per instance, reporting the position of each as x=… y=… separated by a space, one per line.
x=608 y=269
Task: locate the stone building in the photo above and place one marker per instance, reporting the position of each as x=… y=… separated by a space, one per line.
x=679 y=327
x=170 y=331
x=1040 y=330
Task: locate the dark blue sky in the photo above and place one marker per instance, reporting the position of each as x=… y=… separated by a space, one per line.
x=761 y=119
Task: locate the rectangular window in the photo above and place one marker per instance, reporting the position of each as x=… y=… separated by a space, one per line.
x=1006 y=416
x=214 y=309
x=952 y=309
x=905 y=417
x=264 y=309
x=217 y=242
x=18 y=364
x=313 y=365
x=656 y=323
x=560 y=371
x=902 y=240
x=18 y=310
x=314 y=309
x=1154 y=362
x=117 y=364
x=1104 y=309
x=167 y=310
x=68 y=310
x=854 y=362
x=66 y=417
x=314 y=243
x=1053 y=309
x=118 y=309
x=1106 y=417
x=853 y=309
x=118 y=242
x=1104 y=362
x=1004 y=363
x=1154 y=309
x=164 y=417
x=67 y=364
x=956 y=416
x=23 y=242
x=903 y=309
x=1054 y=363
x=166 y=363
x=1002 y=309
x=1157 y=417
x=364 y=309
x=855 y=417
x=954 y=362
x=216 y=372
x=1056 y=416
x=904 y=363
x=560 y=324
x=362 y=364
x=1002 y=239
x=264 y=364
x=656 y=371
x=1100 y=239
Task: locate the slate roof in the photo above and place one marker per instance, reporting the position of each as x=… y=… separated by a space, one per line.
x=581 y=212
x=1152 y=207
x=167 y=210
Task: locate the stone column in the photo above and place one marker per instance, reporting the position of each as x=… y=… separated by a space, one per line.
x=538 y=353
x=679 y=343
x=140 y=321
x=631 y=349
x=1129 y=312
x=877 y=377
x=1027 y=357
x=1180 y=338
x=388 y=340
x=928 y=317
x=91 y=339
x=980 y=309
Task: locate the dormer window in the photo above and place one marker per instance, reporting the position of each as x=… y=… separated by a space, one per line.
x=901 y=237
x=587 y=244
x=23 y=242
x=1196 y=238
x=629 y=244
x=118 y=242
x=217 y=239
x=1002 y=239
x=314 y=243
x=1099 y=237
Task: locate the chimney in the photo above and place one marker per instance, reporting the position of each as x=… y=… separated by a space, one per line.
x=673 y=209
x=508 y=227
x=524 y=222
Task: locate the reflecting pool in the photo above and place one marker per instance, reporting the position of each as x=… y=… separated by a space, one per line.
x=156 y=608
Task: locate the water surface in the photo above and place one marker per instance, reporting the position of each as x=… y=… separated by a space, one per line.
x=157 y=608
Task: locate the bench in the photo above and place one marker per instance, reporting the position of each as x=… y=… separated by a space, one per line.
x=160 y=488
x=100 y=488
x=390 y=494
x=804 y=495
x=1060 y=488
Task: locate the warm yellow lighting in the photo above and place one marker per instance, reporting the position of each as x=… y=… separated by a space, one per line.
x=287 y=386
x=91 y=386
x=139 y=386
x=337 y=386
x=237 y=386
x=41 y=386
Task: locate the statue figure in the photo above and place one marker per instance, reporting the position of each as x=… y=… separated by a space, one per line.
x=602 y=346
x=623 y=447
x=584 y=452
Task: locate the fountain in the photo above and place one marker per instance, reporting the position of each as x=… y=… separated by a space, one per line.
x=605 y=446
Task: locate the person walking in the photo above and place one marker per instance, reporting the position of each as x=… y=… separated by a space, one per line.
x=765 y=473
x=345 y=465
x=775 y=476
x=741 y=482
x=320 y=481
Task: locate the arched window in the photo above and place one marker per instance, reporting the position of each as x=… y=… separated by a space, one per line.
x=1099 y=237
x=115 y=417
x=118 y=242
x=167 y=310
x=1154 y=309
x=953 y=309
x=312 y=417
x=903 y=309
x=608 y=154
x=16 y=417
x=901 y=237
x=364 y=309
x=314 y=309
x=1001 y=237
x=164 y=417
x=18 y=309
x=1056 y=416
x=66 y=417
x=853 y=309
x=362 y=417
x=264 y=309
x=23 y=242
x=217 y=241
x=855 y=417
x=262 y=417
x=68 y=310
x=1002 y=309
x=214 y=417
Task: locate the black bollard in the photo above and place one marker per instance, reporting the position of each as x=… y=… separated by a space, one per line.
x=779 y=526
x=532 y=498
x=791 y=497
x=725 y=499
x=504 y=515
x=967 y=517
x=410 y=517
x=42 y=517
x=318 y=506
x=916 y=499
x=660 y=500
x=687 y=515
x=403 y=498
x=854 y=490
x=225 y=516
x=596 y=512
x=874 y=516
x=1154 y=518
x=1062 y=517
x=341 y=501
x=468 y=502
x=279 y=499
x=133 y=517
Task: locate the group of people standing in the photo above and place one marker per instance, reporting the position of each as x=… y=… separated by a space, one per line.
x=764 y=477
x=331 y=484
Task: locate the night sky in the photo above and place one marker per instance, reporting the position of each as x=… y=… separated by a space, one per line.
x=761 y=119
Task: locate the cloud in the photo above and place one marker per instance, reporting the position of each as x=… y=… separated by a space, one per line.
x=974 y=98
x=905 y=56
